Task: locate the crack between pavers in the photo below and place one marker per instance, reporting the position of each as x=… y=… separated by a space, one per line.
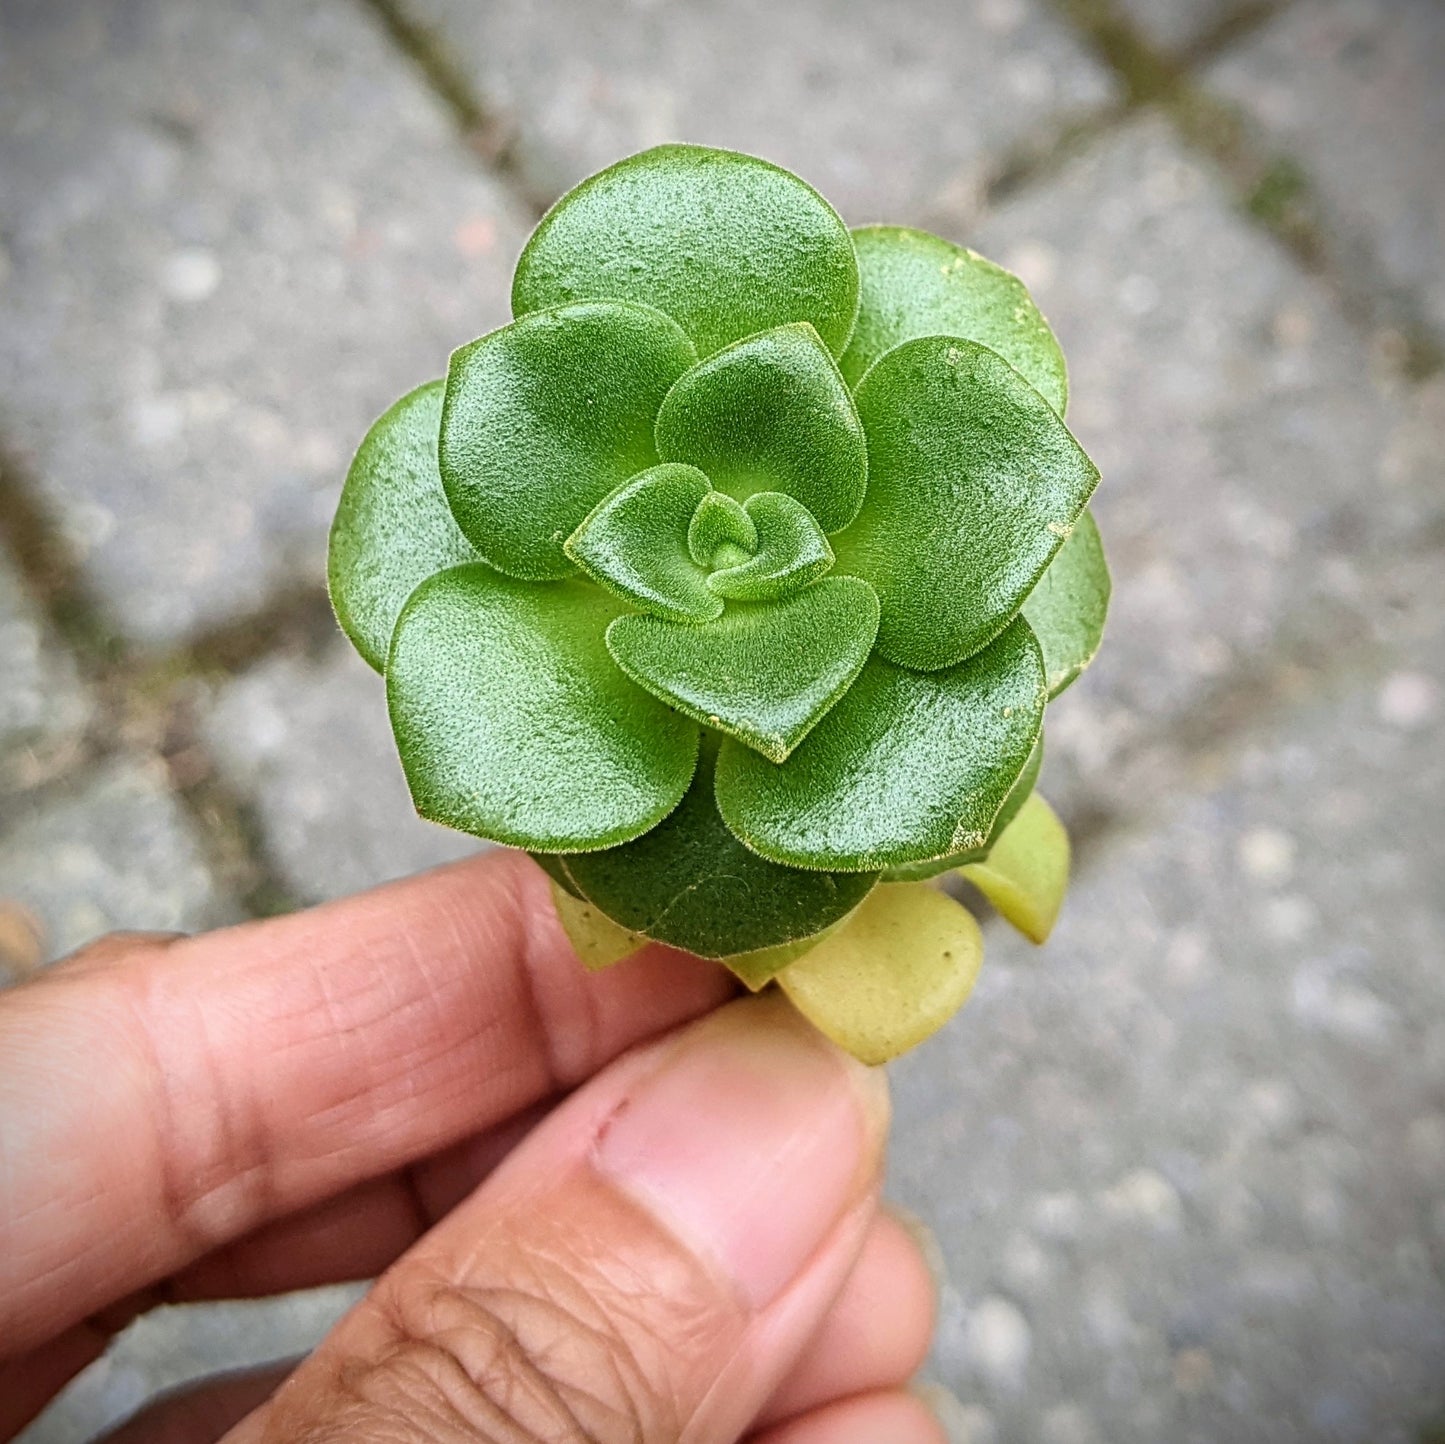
x=486 y=130
x=1270 y=188
x=141 y=701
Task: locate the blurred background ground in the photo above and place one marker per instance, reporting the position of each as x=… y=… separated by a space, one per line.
x=1187 y=1165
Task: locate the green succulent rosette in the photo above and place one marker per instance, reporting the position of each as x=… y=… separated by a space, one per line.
x=731 y=580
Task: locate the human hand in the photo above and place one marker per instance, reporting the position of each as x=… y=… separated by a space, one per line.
x=684 y=1248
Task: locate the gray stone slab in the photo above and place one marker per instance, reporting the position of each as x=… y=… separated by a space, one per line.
x=1252 y=493
x=113 y=850
x=309 y=743
x=1186 y=1163
x=234 y=234
x=893 y=112
x=171 y=1347
x=1354 y=91
x=43 y=707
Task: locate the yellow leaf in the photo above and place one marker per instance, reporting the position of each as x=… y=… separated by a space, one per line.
x=597 y=940
x=897 y=970
x=758 y=968
x=1026 y=873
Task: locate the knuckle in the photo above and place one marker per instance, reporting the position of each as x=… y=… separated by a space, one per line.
x=539 y=1361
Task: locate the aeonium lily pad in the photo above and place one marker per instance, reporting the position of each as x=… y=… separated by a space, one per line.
x=731 y=580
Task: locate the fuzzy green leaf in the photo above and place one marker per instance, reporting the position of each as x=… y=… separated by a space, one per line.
x=973 y=484
x=393 y=527
x=1026 y=874
x=763 y=673
x=544 y=417
x=907 y=766
x=1068 y=606
x=691 y=883
x=726 y=244
x=634 y=543
x=513 y=723
x=771 y=413
x=552 y=863
x=892 y=975
x=792 y=552
x=1018 y=794
x=914 y=284
x=720 y=522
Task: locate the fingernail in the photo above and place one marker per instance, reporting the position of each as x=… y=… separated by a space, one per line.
x=753 y=1137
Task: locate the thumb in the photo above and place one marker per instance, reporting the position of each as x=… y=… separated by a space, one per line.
x=646 y=1266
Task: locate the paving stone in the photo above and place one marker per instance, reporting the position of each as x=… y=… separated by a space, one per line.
x=234 y=234
x=114 y=850
x=309 y=743
x=1191 y=1150
x=1253 y=486
x=43 y=708
x=1352 y=90
x=894 y=113
x=172 y=1346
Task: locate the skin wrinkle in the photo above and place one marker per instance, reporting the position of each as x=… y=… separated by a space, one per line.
x=194 y=1203
x=456 y=1353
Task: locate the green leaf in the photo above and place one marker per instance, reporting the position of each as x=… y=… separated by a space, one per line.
x=726 y=244
x=792 y=552
x=554 y=865
x=764 y=673
x=513 y=724
x=595 y=938
x=771 y=413
x=393 y=527
x=691 y=883
x=1027 y=872
x=634 y=543
x=1018 y=795
x=892 y=975
x=973 y=484
x=546 y=416
x=915 y=284
x=1068 y=606
x=907 y=766
x=720 y=522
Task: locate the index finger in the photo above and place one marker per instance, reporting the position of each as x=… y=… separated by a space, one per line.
x=156 y=1108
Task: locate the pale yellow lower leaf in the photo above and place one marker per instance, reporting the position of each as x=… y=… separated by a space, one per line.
x=597 y=940
x=1026 y=872
x=758 y=968
x=896 y=972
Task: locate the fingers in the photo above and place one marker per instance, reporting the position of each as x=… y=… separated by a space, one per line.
x=875 y=1336
x=152 y=1110
x=356 y=1234
x=647 y=1265
x=891 y=1418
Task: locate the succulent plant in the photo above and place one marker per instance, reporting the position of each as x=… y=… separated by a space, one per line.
x=731 y=579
